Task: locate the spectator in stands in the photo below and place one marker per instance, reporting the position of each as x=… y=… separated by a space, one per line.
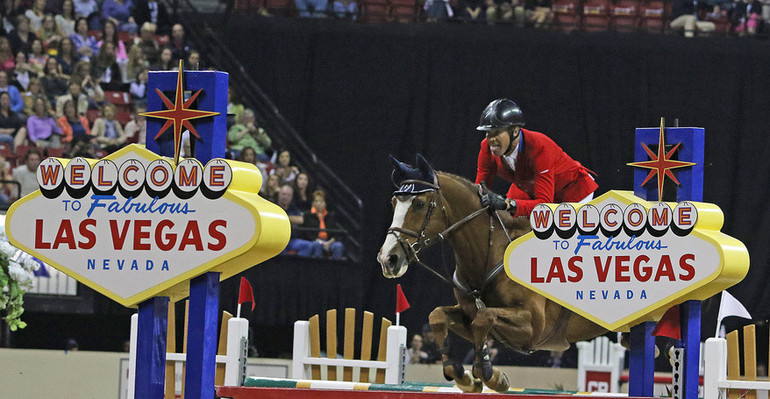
x=85 y=45
x=415 y=354
x=147 y=42
x=66 y=19
x=11 y=127
x=303 y=197
x=54 y=82
x=119 y=13
x=430 y=346
x=6 y=26
x=285 y=171
x=136 y=128
x=17 y=104
x=136 y=63
x=67 y=56
x=35 y=14
x=110 y=34
x=108 y=131
x=85 y=9
x=746 y=17
x=165 y=62
x=154 y=12
x=42 y=130
x=685 y=16
x=311 y=8
x=8 y=193
x=246 y=133
x=74 y=127
x=88 y=83
x=50 y=33
x=248 y=155
x=437 y=10
x=234 y=106
x=301 y=246
x=22 y=37
x=193 y=61
x=473 y=10
x=179 y=45
x=37 y=57
x=22 y=72
x=6 y=56
x=29 y=96
x=105 y=69
x=75 y=94
x=320 y=218
x=541 y=13
x=26 y=174
x=138 y=87
x=270 y=189
x=345 y=9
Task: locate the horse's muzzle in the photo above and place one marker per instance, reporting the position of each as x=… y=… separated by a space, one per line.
x=393 y=264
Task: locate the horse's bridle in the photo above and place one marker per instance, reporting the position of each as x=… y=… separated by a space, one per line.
x=413 y=250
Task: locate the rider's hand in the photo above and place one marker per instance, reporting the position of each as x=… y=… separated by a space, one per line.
x=494 y=201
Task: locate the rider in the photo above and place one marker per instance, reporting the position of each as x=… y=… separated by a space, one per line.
x=539 y=170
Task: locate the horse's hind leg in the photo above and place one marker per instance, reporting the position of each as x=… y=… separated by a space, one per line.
x=442 y=320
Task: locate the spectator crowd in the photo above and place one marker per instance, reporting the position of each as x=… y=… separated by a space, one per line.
x=73 y=81
x=737 y=17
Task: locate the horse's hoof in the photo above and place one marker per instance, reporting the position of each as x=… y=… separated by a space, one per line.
x=468 y=384
x=453 y=370
x=483 y=370
x=498 y=382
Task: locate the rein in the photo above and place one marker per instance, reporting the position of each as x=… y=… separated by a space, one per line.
x=413 y=250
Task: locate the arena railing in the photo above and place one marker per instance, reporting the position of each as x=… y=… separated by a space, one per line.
x=347 y=206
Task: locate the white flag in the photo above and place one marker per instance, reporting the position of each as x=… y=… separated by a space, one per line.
x=729 y=306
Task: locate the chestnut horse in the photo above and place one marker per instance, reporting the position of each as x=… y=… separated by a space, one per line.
x=431 y=207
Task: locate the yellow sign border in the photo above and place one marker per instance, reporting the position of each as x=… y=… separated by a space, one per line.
x=733 y=263
x=268 y=217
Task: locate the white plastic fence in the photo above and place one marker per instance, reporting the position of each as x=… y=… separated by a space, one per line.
x=715 y=382
x=600 y=363
x=234 y=359
x=394 y=364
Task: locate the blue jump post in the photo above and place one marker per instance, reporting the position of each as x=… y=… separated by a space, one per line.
x=151 y=348
x=690 y=189
x=204 y=289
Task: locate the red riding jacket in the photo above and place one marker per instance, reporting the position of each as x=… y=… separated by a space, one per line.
x=544 y=173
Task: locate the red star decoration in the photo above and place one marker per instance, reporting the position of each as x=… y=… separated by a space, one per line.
x=661 y=164
x=178 y=113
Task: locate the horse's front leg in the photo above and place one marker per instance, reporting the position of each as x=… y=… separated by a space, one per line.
x=518 y=326
x=442 y=320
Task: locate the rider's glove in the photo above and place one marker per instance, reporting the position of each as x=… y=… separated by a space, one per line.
x=496 y=202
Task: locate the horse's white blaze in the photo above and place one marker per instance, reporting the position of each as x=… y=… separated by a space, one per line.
x=399 y=214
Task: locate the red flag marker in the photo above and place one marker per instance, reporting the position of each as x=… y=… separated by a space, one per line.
x=245 y=294
x=668 y=326
x=401 y=303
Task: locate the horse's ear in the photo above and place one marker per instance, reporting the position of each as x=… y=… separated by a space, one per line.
x=399 y=170
x=424 y=167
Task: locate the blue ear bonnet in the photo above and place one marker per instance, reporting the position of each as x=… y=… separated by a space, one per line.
x=409 y=180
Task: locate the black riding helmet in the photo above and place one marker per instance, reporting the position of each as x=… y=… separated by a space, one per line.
x=501 y=113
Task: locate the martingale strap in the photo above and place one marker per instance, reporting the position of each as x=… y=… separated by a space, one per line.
x=413 y=250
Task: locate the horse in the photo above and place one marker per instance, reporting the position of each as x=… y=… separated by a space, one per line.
x=432 y=207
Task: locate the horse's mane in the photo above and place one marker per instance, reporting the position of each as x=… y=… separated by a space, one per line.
x=519 y=223
x=459 y=179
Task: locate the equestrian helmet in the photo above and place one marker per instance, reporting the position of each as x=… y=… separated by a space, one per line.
x=501 y=113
